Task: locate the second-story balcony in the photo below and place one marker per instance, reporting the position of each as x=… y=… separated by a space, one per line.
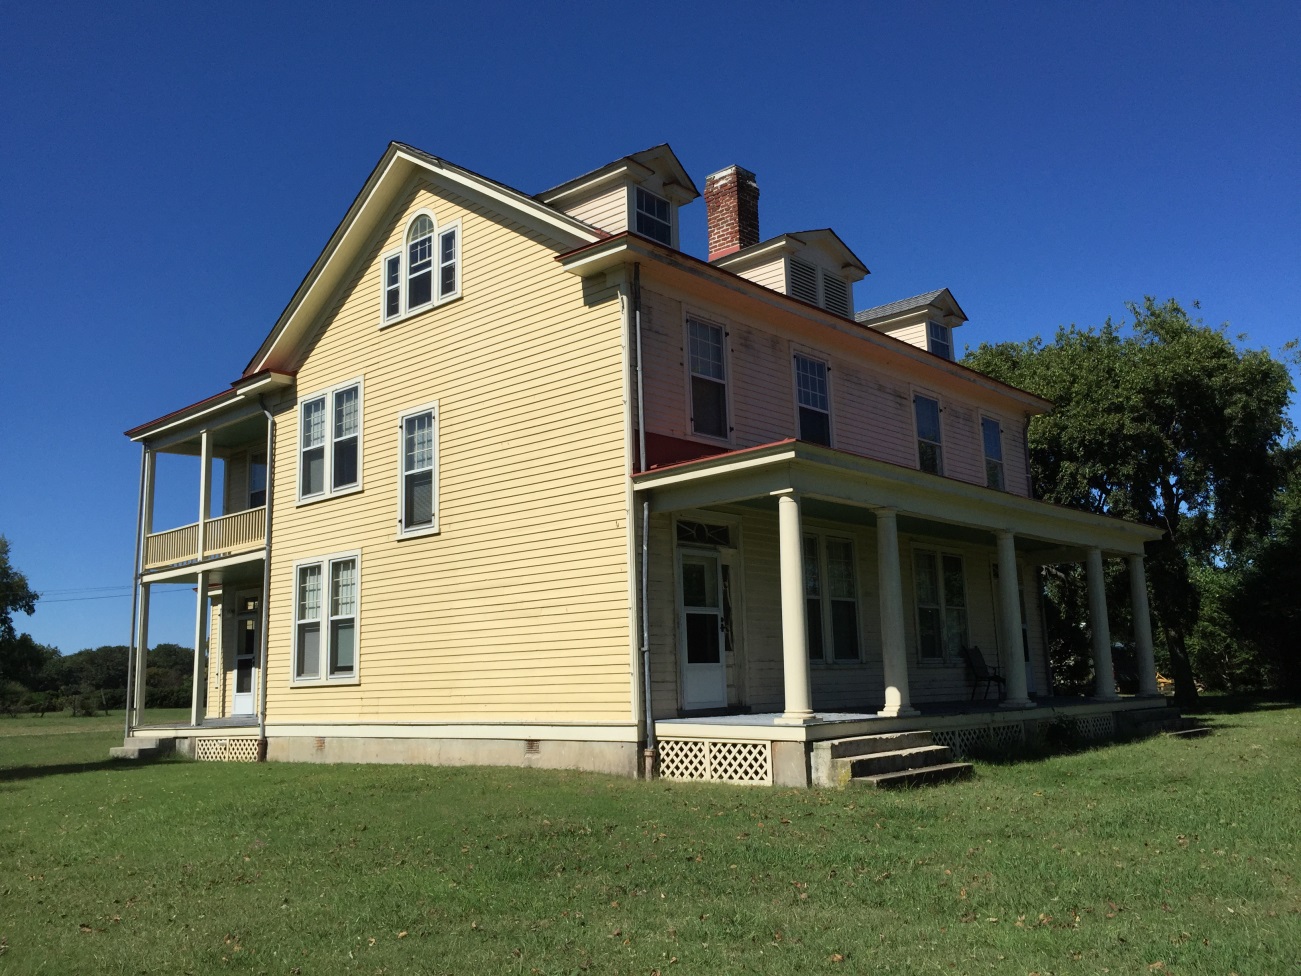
x=228 y=535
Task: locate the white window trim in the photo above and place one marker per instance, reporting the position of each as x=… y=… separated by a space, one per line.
x=946 y=659
x=1002 y=448
x=795 y=390
x=330 y=491
x=930 y=340
x=828 y=659
x=434 y=527
x=401 y=253
x=913 y=394
x=689 y=315
x=324 y=562
x=632 y=213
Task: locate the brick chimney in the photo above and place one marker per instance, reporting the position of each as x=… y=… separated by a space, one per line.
x=732 y=210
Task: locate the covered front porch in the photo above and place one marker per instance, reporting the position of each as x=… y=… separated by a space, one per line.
x=820 y=594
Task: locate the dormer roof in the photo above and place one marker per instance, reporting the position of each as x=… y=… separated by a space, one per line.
x=638 y=167
x=941 y=300
x=825 y=239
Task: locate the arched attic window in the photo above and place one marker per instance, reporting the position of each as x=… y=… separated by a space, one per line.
x=424 y=270
x=420 y=262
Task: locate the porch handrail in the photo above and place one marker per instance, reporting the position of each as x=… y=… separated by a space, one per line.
x=237 y=532
x=172 y=547
x=240 y=530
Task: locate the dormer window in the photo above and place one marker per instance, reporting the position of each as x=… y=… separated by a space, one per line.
x=411 y=282
x=939 y=340
x=820 y=287
x=654 y=219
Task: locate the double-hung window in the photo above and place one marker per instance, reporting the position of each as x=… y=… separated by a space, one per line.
x=708 y=379
x=654 y=219
x=418 y=492
x=257 y=480
x=941 y=596
x=939 y=339
x=830 y=599
x=930 y=455
x=814 y=399
x=326 y=601
x=425 y=271
x=992 y=435
x=329 y=453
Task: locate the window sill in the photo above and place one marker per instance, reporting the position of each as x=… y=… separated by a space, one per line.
x=417 y=312
x=837 y=665
x=325 y=682
x=338 y=493
x=418 y=533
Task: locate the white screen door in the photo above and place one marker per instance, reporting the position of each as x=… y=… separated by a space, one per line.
x=247 y=624
x=704 y=667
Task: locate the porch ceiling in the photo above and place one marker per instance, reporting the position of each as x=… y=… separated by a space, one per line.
x=926 y=503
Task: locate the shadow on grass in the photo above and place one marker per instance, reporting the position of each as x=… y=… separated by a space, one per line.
x=15 y=774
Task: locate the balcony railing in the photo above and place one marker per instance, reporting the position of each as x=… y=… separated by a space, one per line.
x=229 y=535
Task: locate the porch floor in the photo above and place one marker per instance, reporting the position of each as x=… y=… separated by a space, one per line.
x=765 y=726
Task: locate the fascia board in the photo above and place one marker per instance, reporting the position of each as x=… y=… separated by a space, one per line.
x=837 y=476
x=595 y=181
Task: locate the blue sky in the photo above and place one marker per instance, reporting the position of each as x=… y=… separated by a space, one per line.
x=171 y=171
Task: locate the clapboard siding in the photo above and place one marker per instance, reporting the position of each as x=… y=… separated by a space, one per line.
x=604 y=208
x=872 y=405
x=517 y=610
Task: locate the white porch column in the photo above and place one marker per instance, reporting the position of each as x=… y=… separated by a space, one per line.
x=894 y=653
x=147 y=505
x=795 y=649
x=200 y=641
x=1104 y=673
x=141 y=652
x=1009 y=597
x=205 y=488
x=1142 y=627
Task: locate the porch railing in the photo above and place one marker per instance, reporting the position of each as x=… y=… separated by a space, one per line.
x=236 y=533
x=225 y=536
x=173 y=547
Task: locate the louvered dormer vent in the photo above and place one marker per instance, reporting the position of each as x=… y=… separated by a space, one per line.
x=804 y=281
x=835 y=294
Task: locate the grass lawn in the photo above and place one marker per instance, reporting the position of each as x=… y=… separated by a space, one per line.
x=1162 y=856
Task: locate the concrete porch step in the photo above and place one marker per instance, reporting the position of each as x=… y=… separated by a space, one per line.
x=877 y=763
x=925 y=775
x=140 y=747
x=866 y=745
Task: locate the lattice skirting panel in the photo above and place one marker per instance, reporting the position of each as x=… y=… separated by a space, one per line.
x=723 y=762
x=241 y=749
x=1096 y=726
x=964 y=742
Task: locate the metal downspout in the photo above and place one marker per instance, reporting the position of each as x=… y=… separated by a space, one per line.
x=266 y=585
x=135 y=595
x=650 y=754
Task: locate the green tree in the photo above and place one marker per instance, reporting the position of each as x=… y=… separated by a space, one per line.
x=1168 y=423
x=17 y=656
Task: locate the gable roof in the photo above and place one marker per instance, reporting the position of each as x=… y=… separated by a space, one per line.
x=941 y=296
x=639 y=164
x=349 y=240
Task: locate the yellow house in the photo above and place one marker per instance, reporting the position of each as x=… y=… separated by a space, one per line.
x=515 y=480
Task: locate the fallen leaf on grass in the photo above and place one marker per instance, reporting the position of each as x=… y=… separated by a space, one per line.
x=837 y=957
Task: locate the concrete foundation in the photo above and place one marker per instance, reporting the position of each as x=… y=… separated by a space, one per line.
x=614 y=758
